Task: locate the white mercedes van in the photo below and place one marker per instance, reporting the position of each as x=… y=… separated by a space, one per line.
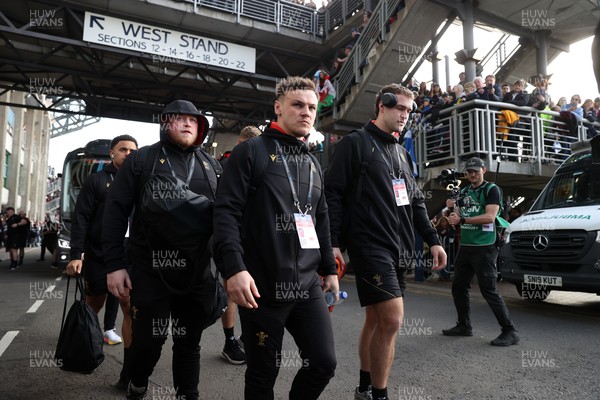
x=556 y=244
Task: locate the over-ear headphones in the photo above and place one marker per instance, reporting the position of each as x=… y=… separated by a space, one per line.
x=390 y=100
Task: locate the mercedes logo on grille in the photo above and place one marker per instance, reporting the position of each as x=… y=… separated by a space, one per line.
x=540 y=242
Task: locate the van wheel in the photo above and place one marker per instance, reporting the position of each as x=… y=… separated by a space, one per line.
x=531 y=293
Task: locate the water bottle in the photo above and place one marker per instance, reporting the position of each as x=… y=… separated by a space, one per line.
x=335 y=297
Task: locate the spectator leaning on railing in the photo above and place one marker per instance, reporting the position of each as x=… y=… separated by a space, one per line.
x=485 y=89
x=517 y=96
x=597 y=108
x=573 y=107
x=505 y=89
x=539 y=98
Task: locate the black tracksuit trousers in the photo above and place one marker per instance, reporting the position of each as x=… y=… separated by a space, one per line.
x=152 y=311
x=479 y=261
x=309 y=323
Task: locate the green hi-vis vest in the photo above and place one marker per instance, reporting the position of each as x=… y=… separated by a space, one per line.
x=478 y=235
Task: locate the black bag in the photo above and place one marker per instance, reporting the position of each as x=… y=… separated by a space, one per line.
x=217 y=304
x=79 y=347
x=178 y=217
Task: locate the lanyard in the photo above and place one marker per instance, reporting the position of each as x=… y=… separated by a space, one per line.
x=390 y=166
x=308 y=205
x=190 y=169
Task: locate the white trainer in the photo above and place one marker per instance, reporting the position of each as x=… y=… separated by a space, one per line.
x=366 y=395
x=111 y=337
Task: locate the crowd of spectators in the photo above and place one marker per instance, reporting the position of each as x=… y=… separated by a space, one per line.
x=431 y=101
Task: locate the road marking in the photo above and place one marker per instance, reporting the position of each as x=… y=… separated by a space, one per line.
x=7 y=340
x=49 y=289
x=35 y=306
x=59 y=278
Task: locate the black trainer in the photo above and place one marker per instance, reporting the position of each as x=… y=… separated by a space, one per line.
x=135 y=393
x=122 y=384
x=233 y=353
x=507 y=338
x=458 y=330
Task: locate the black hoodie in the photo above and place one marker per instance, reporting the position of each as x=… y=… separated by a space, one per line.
x=270 y=250
x=380 y=228
x=86 y=227
x=125 y=194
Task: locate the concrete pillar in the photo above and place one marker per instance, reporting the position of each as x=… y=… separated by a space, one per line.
x=44 y=145
x=466 y=55
x=447 y=68
x=27 y=171
x=3 y=133
x=23 y=122
x=435 y=70
x=541 y=51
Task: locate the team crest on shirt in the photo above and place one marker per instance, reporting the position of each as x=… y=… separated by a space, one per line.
x=162 y=160
x=273 y=157
x=403 y=158
x=262 y=337
x=107 y=185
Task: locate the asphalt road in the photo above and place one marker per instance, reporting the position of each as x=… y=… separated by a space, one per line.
x=556 y=359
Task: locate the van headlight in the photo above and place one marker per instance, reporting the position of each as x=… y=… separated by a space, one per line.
x=65 y=244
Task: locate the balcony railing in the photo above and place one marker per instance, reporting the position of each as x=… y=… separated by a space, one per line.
x=475 y=128
x=287 y=14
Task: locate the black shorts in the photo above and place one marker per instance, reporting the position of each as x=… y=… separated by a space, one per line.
x=21 y=242
x=94 y=278
x=12 y=242
x=377 y=280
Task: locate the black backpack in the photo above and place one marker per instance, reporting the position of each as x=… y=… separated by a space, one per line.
x=79 y=347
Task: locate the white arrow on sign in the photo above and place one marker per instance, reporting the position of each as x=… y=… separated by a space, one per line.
x=166 y=45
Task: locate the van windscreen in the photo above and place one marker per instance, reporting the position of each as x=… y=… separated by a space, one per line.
x=572 y=188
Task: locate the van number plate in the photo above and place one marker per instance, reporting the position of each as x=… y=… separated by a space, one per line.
x=543 y=280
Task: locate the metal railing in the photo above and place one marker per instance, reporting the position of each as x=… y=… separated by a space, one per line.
x=475 y=128
x=502 y=51
x=287 y=14
x=373 y=32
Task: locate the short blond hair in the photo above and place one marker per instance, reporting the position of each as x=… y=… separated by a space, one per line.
x=249 y=132
x=292 y=83
x=469 y=85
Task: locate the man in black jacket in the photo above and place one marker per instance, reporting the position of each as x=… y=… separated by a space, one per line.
x=374 y=201
x=86 y=238
x=232 y=350
x=169 y=281
x=13 y=224
x=272 y=246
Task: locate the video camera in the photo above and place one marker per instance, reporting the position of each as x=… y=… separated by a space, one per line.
x=451 y=179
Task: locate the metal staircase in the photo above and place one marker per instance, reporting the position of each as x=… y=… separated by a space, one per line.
x=383 y=54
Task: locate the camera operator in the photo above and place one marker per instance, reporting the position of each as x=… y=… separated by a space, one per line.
x=478 y=206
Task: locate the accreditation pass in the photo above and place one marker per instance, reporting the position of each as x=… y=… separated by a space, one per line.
x=400 y=193
x=306 y=231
